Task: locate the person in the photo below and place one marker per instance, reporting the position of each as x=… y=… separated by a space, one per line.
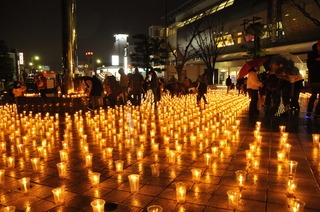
x=290 y=81
x=253 y=86
x=124 y=84
x=172 y=79
x=228 y=83
x=313 y=64
x=154 y=86
x=201 y=90
x=272 y=95
x=113 y=89
x=41 y=82
x=136 y=84
x=96 y=92
x=187 y=84
x=18 y=91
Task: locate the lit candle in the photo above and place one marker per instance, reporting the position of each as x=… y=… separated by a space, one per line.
x=35 y=162
x=119 y=165
x=233 y=198
x=62 y=170
x=139 y=153
x=95 y=179
x=25 y=185
x=196 y=175
x=10 y=162
x=88 y=159
x=291 y=186
x=215 y=151
x=134 y=183
x=63 y=155
x=9 y=209
x=155 y=170
x=207 y=159
x=59 y=195
x=172 y=157
x=241 y=178
x=2 y=172
x=281 y=156
x=315 y=138
x=98 y=205
x=181 y=190
x=282 y=128
x=292 y=168
x=108 y=152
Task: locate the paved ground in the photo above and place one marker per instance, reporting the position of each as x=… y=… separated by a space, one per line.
x=176 y=124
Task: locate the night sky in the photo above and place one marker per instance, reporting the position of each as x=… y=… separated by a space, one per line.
x=34 y=26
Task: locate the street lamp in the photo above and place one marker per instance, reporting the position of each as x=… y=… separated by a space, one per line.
x=33 y=61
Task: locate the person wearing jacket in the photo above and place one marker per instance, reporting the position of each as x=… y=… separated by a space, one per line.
x=313 y=64
x=253 y=86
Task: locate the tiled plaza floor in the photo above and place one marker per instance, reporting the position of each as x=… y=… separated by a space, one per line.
x=184 y=131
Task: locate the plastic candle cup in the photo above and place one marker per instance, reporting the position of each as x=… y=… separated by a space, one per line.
x=95 y=179
x=233 y=198
x=9 y=209
x=155 y=170
x=108 y=152
x=181 y=190
x=119 y=165
x=10 y=162
x=134 y=183
x=155 y=208
x=207 y=159
x=292 y=168
x=58 y=195
x=88 y=159
x=63 y=155
x=172 y=157
x=62 y=170
x=196 y=175
x=241 y=178
x=25 y=185
x=282 y=128
x=35 y=162
x=2 y=172
x=98 y=205
x=315 y=138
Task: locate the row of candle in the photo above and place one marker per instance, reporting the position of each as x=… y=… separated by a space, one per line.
x=68 y=138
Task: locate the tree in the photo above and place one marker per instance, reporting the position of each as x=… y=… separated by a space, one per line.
x=148 y=51
x=306 y=11
x=6 y=65
x=211 y=42
x=258 y=30
x=184 y=51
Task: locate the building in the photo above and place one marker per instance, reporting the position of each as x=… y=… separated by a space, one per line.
x=288 y=30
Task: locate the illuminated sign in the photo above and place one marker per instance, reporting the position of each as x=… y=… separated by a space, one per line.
x=115 y=60
x=21 y=58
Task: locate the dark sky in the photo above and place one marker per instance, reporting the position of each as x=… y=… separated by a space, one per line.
x=34 y=26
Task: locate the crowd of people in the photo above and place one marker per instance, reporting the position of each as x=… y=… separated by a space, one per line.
x=282 y=83
x=133 y=87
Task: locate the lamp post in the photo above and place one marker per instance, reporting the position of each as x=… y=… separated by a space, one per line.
x=33 y=64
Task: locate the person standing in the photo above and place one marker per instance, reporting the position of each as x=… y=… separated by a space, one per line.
x=313 y=64
x=228 y=83
x=41 y=82
x=136 y=87
x=18 y=91
x=96 y=91
x=154 y=85
x=253 y=86
x=124 y=80
x=201 y=90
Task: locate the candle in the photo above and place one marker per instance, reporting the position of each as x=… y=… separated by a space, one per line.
x=139 y=153
x=297 y=205
x=207 y=159
x=9 y=209
x=10 y=162
x=108 y=152
x=119 y=165
x=155 y=170
x=155 y=147
x=181 y=190
x=281 y=156
x=315 y=138
x=98 y=205
x=196 y=175
x=25 y=185
x=58 y=195
x=233 y=198
x=134 y=183
x=255 y=164
x=215 y=151
x=291 y=186
x=88 y=159
x=62 y=170
x=241 y=178
x=292 y=168
x=282 y=128
x=35 y=162
x=2 y=172
x=95 y=179
x=63 y=155
x=40 y=150
x=155 y=208
x=172 y=157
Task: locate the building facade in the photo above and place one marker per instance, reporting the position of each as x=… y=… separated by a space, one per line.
x=287 y=30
